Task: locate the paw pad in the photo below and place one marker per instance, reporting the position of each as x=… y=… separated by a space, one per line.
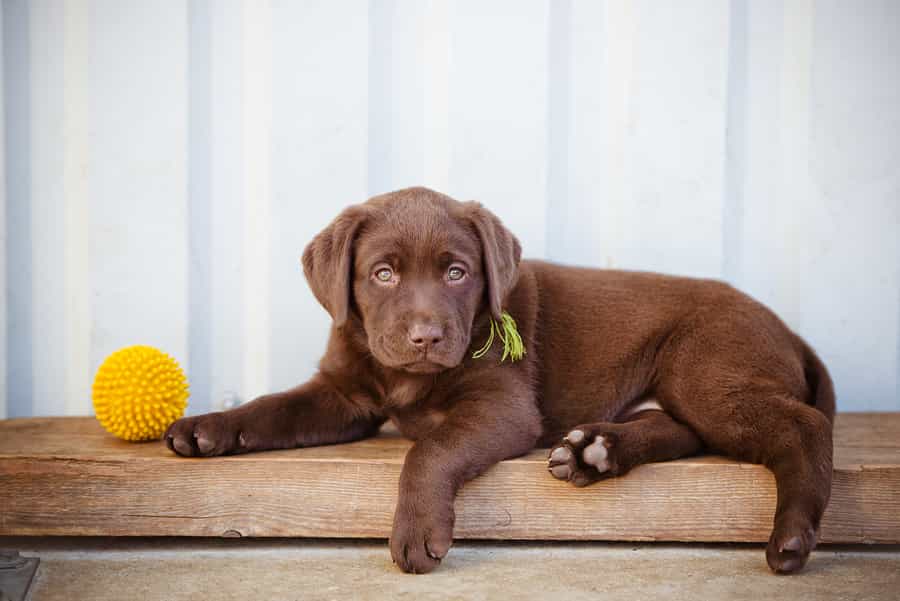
x=596 y=454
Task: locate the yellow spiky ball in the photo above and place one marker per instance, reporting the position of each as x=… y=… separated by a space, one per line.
x=138 y=392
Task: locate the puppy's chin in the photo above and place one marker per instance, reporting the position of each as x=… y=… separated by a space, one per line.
x=423 y=367
x=418 y=366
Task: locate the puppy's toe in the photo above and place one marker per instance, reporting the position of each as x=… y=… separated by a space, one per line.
x=182 y=446
x=575 y=437
x=204 y=443
x=562 y=463
x=789 y=548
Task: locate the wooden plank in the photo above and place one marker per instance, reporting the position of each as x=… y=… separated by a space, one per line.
x=65 y=476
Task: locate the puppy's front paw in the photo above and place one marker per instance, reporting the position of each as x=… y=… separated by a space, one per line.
x=792 y=540
x=421 y=537
x=588 y=453
x=203 y=436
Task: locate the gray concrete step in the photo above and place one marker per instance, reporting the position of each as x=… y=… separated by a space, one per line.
x=74 y=569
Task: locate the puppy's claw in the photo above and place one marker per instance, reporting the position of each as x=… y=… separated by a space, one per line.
x=431 y=553
x=793 y=544
x=182 y=447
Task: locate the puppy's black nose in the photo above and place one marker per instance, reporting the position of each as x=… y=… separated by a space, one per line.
x=423 y=335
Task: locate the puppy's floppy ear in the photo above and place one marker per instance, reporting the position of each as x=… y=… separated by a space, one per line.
x=501 y=251
x=328 y=262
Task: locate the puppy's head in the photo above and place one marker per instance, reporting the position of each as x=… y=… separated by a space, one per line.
x=416 y=267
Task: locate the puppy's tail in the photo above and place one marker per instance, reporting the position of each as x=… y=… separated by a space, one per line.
x=821 y=388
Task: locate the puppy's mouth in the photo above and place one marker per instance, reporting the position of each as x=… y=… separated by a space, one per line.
x=420 y=361
x=424 y=367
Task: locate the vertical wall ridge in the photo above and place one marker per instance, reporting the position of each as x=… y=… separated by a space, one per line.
x=498 y=113
x=226 y=208
x=735 y=143
x=47 y=196
x=17 y=112
x=616 y=190
x=199 y=207
x=436 y=95
x=559 y=60
x=76 y=164
x=379 y=143
x=138 y=177
x=794 y=185
x=256 y=123
x=320 y=160
x=3 y=338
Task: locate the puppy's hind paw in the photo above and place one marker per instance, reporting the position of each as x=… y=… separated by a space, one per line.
x=584 y=456
x=789 y=548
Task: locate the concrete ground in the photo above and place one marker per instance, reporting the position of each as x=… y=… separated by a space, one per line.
x=275 y=570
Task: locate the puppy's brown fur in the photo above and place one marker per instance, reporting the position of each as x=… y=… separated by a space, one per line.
x=412 y=280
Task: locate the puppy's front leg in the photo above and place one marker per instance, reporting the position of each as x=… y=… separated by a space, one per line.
x=473 y=437
x=313 y=413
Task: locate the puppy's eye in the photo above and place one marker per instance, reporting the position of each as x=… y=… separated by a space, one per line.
x=384 y=274
x=455 y=274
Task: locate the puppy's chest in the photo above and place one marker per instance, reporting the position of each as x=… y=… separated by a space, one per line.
x=406 y=392
x=415 y=423
x=414 y=408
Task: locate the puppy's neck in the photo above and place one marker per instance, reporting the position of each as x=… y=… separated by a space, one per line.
x=349 y=360
x=403 y=389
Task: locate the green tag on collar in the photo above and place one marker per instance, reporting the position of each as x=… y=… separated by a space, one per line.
x=506 y=330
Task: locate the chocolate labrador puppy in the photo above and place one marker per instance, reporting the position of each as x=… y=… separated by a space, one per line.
x=620 y=368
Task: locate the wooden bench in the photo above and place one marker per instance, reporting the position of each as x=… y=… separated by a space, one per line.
x=66 y=476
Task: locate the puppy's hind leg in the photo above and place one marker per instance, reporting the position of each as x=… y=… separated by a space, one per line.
x=592 y=452
x=794 y=441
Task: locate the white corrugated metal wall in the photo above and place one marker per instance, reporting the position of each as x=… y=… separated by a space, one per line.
x=166 y=162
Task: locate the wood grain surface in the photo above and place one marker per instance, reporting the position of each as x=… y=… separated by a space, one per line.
x=66 y=476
